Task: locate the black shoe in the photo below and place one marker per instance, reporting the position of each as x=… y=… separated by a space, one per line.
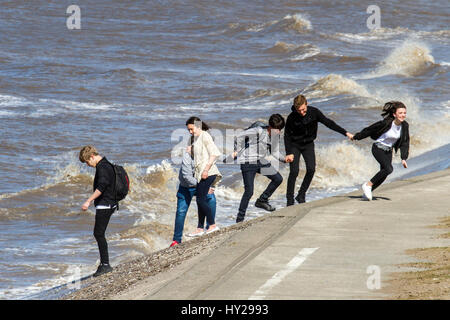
x=290 y=202
x=240 y=218
x=102 y=269
x=300 y=198
x=264 y=205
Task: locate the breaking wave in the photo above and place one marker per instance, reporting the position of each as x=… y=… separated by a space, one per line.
x=290 y=23
x=335 y=84
x=410 y=59
x=296 y=22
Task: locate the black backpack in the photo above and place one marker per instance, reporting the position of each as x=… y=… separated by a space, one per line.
x=122 y=182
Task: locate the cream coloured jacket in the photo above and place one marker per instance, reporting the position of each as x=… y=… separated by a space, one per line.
x=204 y=147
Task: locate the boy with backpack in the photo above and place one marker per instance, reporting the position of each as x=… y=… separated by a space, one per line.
x=109 y=188
x=256 y=143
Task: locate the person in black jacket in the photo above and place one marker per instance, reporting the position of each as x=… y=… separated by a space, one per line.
x=103 y=198
x=299 y=136
x=390 y=133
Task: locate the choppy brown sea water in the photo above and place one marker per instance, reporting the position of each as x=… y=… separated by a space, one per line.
x=128 y=80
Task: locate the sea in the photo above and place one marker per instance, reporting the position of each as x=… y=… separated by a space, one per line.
x=125 y=76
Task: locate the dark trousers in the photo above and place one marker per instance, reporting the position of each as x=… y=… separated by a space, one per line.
x=204 y=210
x=307 y=151
x=249 y=172
x=102 y=217
x=384 y=158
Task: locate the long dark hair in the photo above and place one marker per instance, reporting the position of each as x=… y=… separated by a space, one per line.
x=195 y=121
x=390 y=108
x=191 y=144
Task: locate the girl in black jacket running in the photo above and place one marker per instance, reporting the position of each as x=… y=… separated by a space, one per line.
x=390 y=133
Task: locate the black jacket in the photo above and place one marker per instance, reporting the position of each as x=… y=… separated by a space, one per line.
x=104 y=181
x=301 y=130
x=378 y=128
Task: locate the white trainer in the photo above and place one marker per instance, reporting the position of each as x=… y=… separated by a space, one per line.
x=212 y=230
x=367 y=191
x=195 y=234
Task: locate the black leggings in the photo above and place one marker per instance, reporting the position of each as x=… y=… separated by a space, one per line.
x=307 y=151
x=384 y=158
x=102 y=217
x=204 y=210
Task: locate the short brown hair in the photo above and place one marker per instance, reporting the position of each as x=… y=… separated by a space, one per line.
x=299 y=100
x=276 y=121
x=86 y=152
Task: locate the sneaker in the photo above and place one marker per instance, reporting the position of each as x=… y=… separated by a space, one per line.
x=174 y=243
x=300 y=198
x=367 y=191
x=196 y=234
x=264 y=205
x=290 y=202
x=240 y=218
x=216 y=228
x=102 y=269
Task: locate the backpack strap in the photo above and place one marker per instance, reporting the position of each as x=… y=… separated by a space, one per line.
x=115 y=183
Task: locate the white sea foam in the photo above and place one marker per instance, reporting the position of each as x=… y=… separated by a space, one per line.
x=310 y=53
x=297 y=22
x=373 y=35
x=12 y=101
x=77 y=106
x=335 y=84
x=409 y=59
x=292 y=22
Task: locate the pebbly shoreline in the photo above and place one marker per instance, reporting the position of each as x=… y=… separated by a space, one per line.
x=351 y=234
x=132 y=272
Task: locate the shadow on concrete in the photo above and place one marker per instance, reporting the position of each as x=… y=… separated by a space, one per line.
x=363 y=199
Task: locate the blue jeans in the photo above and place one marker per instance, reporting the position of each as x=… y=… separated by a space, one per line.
x=184 y=197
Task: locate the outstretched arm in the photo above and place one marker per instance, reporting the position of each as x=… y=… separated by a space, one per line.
x=331 y=124
x=364 y=133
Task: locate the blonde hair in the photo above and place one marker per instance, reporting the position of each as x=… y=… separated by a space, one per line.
x=299 y=101
x=86 y=152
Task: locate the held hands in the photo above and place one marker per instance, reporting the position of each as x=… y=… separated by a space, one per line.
x=289 y=158
x=405 y=165
x=211 y=191
x=349 y=136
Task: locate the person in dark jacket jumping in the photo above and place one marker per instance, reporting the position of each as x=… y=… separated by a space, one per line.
x=390 y=133
x=256 y=145
x=104 y=201
x=299 y=136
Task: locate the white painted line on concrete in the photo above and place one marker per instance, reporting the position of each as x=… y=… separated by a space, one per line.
x=280 y=275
